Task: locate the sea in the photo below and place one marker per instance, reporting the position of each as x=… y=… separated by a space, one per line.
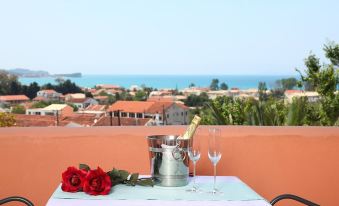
x=166 y=81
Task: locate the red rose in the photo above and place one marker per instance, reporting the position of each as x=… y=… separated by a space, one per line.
x=97 y=182
x=73 y=179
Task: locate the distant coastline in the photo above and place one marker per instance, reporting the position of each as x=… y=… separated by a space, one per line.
x=27 y=73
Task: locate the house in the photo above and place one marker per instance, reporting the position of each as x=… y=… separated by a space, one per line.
x=13 y=99
x=82 y=103
x=71 y=120
x=161 y=93
x=48 y=95
x=135 y=88
x=94 y=109
x=52 y=110
x=161 y=98
x=68 y=97
x=194 y=90
x=108 y=86
x=311 y=96
x=102 y=99
x=234 y=92
x=163 y=113
x=250 y=92
x=218 y=93
x=22 y=120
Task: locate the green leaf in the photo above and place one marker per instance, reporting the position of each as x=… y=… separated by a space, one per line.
x=84 y=167
x=123 y=174
x=145 y=182
x=133 y=179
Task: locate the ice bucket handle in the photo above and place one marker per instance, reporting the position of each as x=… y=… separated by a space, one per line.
x=178 y=152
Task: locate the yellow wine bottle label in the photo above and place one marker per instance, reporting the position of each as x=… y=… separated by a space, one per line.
x=191 y=128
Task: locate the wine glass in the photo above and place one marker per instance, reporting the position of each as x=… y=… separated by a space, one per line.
x=214 y=153
x=194 y=155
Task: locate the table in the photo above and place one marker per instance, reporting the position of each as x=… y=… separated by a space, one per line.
x=236 y=193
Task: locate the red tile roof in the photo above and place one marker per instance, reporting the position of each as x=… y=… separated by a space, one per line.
x=101 y=97
x=96 y=108
x=108 y=86
x=23 y=120
x=291 y=91
x=49 y=91
x=182 y=106
x=39 y=98
x=47 y=120
x=161 y=98
x=144 y=107
x=158 y=107
x=131 y=106
x=82 y=119
x=77 y=100
x=14 y=98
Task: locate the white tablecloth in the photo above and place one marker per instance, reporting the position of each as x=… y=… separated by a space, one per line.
x=55 y=200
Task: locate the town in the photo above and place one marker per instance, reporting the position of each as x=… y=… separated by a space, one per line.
x=142 y=107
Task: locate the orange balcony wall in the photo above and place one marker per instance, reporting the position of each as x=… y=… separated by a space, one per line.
x=272 y=160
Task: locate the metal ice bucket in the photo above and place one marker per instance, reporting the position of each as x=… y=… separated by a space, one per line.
x=169 y=160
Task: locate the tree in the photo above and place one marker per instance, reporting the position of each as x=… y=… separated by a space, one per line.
x=31 y=90
x=48 y=86
x=297 y=112
x=191 y=85
x=332 y=52
x=75 y=108
x=88 y=94
x=287 y=83
x=227 y=111
x=324 y=79
x=140 y=96
x=40 y=104
x=18 y=109
x=15 y=87
x=262 y=89
x=68 y=87
x=271 y=112
x=223 y=86
x=9 y=84
x=147 y=90
x=6 y=119
x=112 y=98
x=214 y=84
x=197 y=100
x=310 y=79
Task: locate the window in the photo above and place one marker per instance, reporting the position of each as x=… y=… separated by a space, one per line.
x=182 y=113
x=139 y=115
x=160 y=118
x=132 y=115
x=167 y=115
x=116 y=114
x=124 y=114
x=186 y=113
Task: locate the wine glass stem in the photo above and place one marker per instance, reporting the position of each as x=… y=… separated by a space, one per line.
x=215 y=175
x=194 y=185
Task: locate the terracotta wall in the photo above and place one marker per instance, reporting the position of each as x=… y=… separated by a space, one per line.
x=272 y=160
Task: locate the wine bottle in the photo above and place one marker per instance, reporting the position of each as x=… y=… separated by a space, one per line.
x=191 y=128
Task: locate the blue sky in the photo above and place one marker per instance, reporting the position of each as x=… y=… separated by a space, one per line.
x=165 y=36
